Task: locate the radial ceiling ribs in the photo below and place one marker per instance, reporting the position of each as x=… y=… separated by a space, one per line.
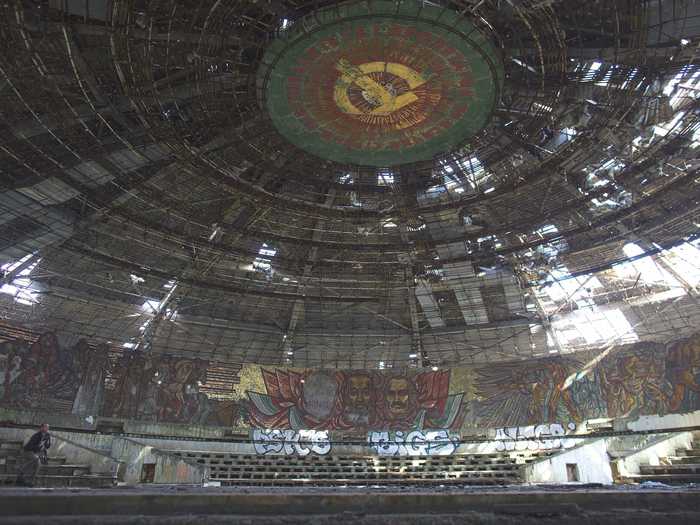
x=385 y=183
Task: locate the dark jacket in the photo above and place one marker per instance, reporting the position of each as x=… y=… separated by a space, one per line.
x=38 y=443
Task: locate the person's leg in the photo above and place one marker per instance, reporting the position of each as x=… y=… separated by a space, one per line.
x=28 y=469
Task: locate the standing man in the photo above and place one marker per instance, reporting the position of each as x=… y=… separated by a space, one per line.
x=34 y=455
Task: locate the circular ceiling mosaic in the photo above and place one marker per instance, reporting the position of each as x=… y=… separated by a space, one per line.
x=380 y=83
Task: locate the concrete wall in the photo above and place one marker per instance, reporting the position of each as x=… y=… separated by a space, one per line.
x=168 y=467
x=591 y=459
x=125 y=457
x=651 y=454
x=98 y=458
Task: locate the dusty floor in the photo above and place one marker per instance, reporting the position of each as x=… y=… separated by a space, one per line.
x=550 y=505
x=465 y=518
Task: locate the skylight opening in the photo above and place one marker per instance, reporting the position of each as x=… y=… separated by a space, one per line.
x=20 y=286
x=665 y=128
x=263 y=261
x=473 y=169
x=646 y=271
x=151 y=305
x=607 y=77
x=385 y=178
x=676 y=79
x=630 y=77
x=345 y=178
x=594 y=326
x=688 y=89
x=586 y=323
x=10 y=267
x=546 y=230
x=685 y=260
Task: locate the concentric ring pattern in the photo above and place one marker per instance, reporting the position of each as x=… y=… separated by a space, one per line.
x=315 y=183
x=380 y=83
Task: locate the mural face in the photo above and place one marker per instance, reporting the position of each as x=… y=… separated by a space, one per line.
x=87 y=380
x=349 y=400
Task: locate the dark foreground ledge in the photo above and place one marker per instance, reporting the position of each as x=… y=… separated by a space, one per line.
x=230 y=501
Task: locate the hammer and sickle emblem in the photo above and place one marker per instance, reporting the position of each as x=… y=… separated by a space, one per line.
x=382 y=98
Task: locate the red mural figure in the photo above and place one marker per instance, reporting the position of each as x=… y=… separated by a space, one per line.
x=526 y=393
x=350 y=400
x=632 y=382
x=550 y=389
x=682 y=367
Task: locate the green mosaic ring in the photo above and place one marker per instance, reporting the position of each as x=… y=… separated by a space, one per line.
x=380 y=83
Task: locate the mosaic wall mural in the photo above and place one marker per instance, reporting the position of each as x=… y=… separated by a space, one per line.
x=640 y=379
x=88 y=380
x=349 y=400
x=165 y=389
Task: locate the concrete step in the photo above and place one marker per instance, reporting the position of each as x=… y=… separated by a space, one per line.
x=53 y=460
x=11 y=445
x=87 y=480
x=680 y=460
x=350 y=481
x=54 y=470
x=670 y=479
x=688 y=452
x=683 y=468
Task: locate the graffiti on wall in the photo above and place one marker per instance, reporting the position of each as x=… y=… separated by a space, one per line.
x=548 y=436
x=349 y=400
x=291 y=442
x=413 y=443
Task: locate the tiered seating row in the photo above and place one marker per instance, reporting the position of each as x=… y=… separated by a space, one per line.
x=249 y=469
x=683 y=467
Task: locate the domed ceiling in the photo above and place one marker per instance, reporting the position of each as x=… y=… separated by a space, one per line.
x=380 y=83
x=367 y=184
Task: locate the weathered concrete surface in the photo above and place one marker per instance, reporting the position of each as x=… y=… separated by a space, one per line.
x=186 y=501
x=464 y=518
x=106 y=453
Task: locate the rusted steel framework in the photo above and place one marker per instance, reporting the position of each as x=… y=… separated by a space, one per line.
x=165 y=212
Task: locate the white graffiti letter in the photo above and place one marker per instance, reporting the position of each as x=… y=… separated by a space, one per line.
x=291 y=442
x=382 y=443
x=320 y=442
x=439 y=443
x=267 y=441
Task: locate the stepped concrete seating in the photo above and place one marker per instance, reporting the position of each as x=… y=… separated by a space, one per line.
x=683 y=467
x=472 y=469
x=57 y=473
